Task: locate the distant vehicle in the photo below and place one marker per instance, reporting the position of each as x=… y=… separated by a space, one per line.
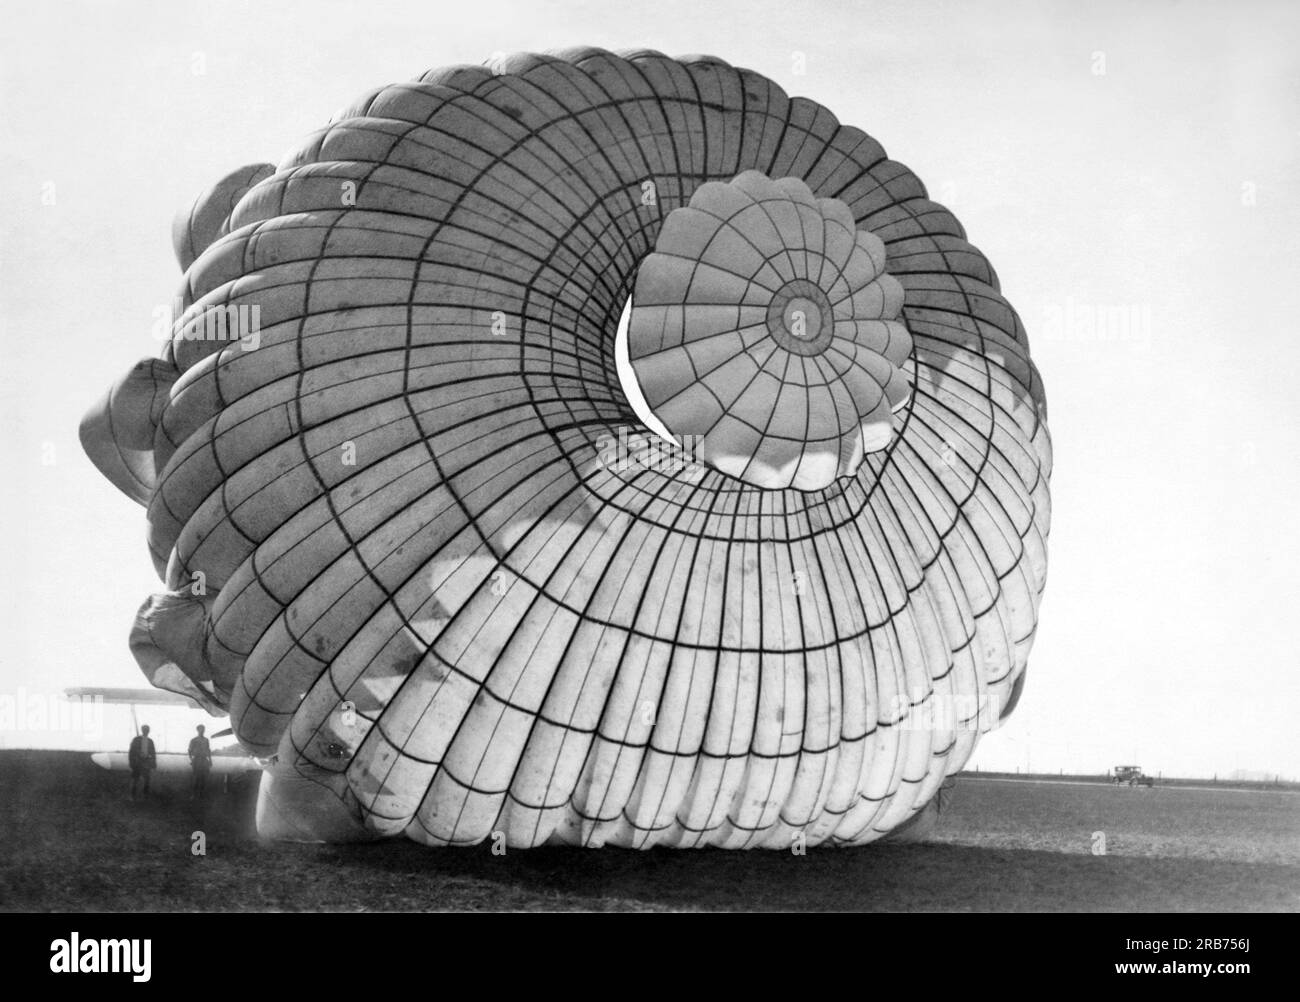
x=1132 y=775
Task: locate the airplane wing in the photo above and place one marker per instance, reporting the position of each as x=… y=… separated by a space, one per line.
x=132 y=697
x=175 y=762
x=225 y=761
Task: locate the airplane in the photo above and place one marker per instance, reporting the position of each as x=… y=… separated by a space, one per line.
x=228 y=762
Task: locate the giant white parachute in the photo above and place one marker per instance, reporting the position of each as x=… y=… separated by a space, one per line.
x=404 y=545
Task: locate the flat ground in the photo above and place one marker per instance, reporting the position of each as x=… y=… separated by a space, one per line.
x=70 y=839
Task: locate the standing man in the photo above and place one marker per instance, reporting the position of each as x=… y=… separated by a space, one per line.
x=201 y=763
x=142 y=759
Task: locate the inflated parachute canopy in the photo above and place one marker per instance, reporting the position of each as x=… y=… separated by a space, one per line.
x=410 y=535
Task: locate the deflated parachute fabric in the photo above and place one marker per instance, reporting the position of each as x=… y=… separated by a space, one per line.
x=168 y=632
x=399 y=546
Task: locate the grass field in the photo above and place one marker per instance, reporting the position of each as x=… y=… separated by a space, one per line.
x=70 y=839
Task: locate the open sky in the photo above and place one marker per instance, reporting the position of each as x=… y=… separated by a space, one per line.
x=1137 y=163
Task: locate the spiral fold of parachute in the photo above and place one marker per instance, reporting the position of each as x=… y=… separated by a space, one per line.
x=400 y=550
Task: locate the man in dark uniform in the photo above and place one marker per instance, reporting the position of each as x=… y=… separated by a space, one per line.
x=201 y=763
x=142 y=759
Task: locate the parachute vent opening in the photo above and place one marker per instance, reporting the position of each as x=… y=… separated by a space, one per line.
x=628 y=382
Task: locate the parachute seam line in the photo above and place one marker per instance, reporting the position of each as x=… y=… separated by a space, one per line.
x=395 y=423
x=413 y=444
x=563 y=660
x=580 y=616
x=785 y=676
x=822 y=609
x=674 y=646
x=796 y=152
x=770 y=414
x=408 y=447
x=453 y=668
x=400 y=749
x=715 y=661
x=868 y=520
x=310 y=221
x=974 y=494
x=683 y=540
x=302 y=440
x=648 y=748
